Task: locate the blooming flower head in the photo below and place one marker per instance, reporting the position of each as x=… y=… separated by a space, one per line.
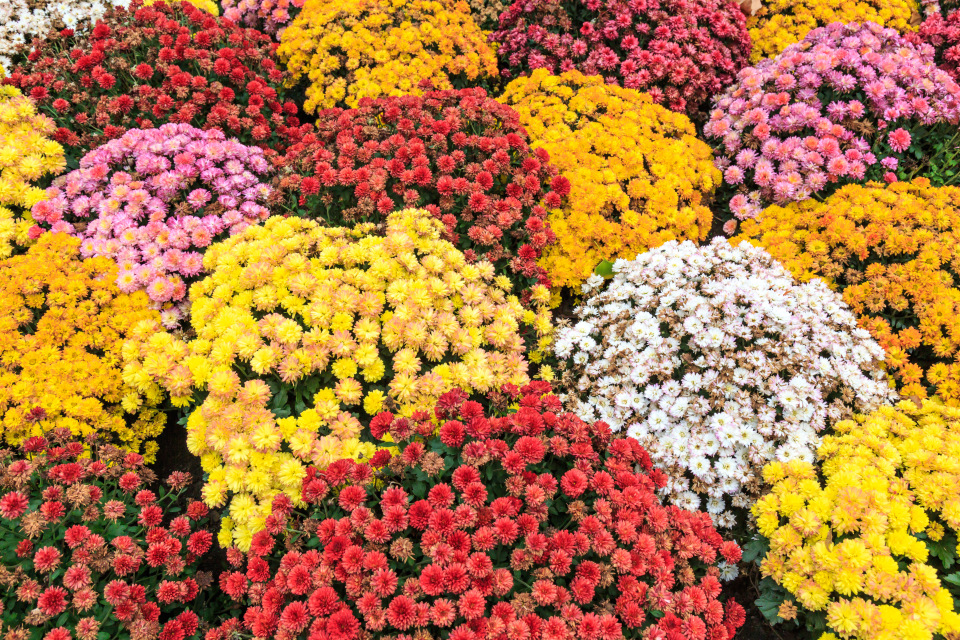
x=303 y=332
x=716 y=361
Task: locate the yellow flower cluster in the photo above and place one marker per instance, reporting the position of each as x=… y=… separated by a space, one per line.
x=848 y=545
x=894 y=252
x=323 y=327
x=62 y=327
x=27 y=154
x=638 y=175
x=780 y=23
x=351 y=49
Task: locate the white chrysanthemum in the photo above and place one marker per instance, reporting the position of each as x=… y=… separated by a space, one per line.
x=718 y=361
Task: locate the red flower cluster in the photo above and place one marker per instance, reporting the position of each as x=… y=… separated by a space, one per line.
x=943 y=34
x=535 y=526
x=459 y=154
x=94 y=556
x=146 y=66
x=682 y=52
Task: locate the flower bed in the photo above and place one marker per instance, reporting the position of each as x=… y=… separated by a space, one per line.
x=135 y=70
x=534 y=523
x=303 y=333
x=681 y=53
x=849 y=103
x=374 y=48
x=717 y=361
x=638 y=176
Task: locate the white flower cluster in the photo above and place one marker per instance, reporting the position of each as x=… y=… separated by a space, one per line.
x=23 y=20
x=717 y=361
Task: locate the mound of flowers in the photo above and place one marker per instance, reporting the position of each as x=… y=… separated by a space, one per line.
x=153 y=200
x=374 y=48
x=781 y=23
x=894 y=253
x=459 y=154
x=27 y=158
x=151 y=65
x=304 y=332
x=943 y=34
x=867 y=547
x=269 y=16
x=849 y=103
x=62 y=327
x=88 y=549
x=681 y=53
x=717 y=361
x=638 y=176
x=533 y=525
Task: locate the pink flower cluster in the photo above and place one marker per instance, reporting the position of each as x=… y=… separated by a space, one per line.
x=269 y=16
x=837 y=107
x=153 y=199
x=681 y=52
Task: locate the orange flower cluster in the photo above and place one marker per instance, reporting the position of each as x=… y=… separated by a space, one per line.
x=894 y=252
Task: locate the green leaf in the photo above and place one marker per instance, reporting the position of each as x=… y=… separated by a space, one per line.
x=953 y=578
x=756 y=549
x=605 y=269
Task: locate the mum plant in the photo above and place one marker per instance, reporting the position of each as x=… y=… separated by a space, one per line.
x=28 y=158
x=148 y=65
x=941 y=33
x=303 y=333
x=460 y=155
x=90 y=549
x=717 y=361
x=781 y=23
x=63 y=323
x=153 y=200
x=893 y=252
x=849 y=103
x=532 y=525
x=374 y=48
x=681 y=53
x=865 y=545
x=638 y=176
x=269 y=16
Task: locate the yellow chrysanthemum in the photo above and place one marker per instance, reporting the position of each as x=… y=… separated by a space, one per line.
x=638 y=175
